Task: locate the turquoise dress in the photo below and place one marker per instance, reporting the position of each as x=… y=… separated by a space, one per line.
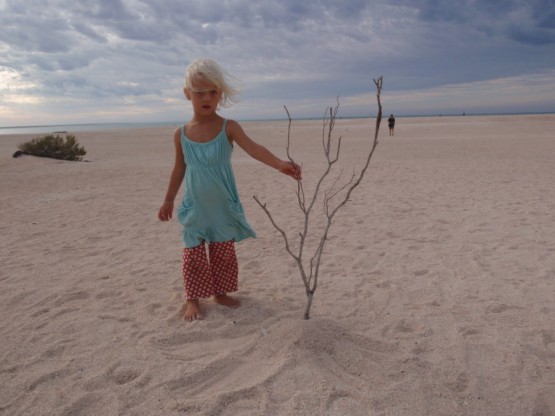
x=211 y=210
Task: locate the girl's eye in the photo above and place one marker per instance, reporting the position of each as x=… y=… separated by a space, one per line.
x=211 y=93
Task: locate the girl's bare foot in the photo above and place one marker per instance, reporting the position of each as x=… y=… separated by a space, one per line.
x=227 y=301
x=192 y=310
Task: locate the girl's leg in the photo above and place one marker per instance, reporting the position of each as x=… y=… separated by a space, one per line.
x=197 y=279
x=225 y=271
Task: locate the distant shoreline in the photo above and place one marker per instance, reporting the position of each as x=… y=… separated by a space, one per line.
x=81 y=127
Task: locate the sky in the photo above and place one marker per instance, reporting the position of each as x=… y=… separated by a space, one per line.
x=98 y=61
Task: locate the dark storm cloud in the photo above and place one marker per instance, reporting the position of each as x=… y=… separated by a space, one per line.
x=284 y=51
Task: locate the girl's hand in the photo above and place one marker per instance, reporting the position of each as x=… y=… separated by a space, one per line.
x=165 y=211
x=291 y=169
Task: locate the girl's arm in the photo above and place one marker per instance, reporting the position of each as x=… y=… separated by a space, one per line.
x=236 y=133
x=176 y=178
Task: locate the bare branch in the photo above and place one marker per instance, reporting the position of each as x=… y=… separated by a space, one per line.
x=332 y=195
x=310 y=280
x=297 y=259
x=288 y=135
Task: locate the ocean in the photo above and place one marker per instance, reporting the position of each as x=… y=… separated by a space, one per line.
x=74 y=128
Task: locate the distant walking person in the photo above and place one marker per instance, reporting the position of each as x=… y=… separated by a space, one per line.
x=391 y=124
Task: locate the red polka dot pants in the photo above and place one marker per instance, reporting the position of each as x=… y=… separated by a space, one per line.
x=209 y=275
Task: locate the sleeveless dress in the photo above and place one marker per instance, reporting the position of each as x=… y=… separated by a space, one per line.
x=210 y=210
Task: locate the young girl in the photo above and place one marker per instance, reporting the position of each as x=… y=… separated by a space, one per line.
x=211 y=212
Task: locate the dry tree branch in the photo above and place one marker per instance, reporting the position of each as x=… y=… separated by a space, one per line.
x=310 y=277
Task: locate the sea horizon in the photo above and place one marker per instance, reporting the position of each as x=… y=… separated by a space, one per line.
x=81 y=127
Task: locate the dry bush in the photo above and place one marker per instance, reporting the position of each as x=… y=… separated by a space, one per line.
x=54 y=147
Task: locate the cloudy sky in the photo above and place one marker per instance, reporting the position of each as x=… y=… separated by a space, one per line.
x=88 y=61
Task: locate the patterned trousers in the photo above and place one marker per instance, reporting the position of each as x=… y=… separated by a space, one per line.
x=209 y=275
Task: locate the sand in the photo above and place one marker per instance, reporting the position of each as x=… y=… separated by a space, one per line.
x=436 y=294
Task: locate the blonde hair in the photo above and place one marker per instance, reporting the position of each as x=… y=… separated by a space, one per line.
x=209 y=70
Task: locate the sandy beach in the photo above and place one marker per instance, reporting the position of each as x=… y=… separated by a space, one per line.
x=436 y=293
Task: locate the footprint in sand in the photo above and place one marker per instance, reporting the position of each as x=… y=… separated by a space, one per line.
x=70 y=297
x=500 y=308
x=108 y=294
x=401 y=327
x=460 y=384
x=469 y=331
x=252 y=265
x=125 y=375
x=544 y=405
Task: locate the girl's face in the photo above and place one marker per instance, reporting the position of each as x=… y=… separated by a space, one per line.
x=204 y=96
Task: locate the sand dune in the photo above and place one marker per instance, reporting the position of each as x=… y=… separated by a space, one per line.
x=436 y=295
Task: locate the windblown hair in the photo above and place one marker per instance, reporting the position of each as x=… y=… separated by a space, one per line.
x=209 y=70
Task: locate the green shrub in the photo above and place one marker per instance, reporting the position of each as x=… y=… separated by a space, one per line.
x=54 y=147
